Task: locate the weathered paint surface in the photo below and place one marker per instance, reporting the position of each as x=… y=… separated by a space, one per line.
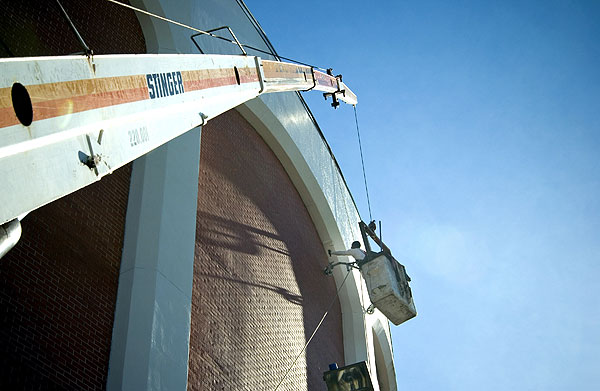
x=91 y=116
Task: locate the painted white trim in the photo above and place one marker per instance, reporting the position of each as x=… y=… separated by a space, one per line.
x=385 y=358
x=270 y=128
x=333 y=213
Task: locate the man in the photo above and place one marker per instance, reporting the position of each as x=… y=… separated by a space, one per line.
x=354 y=251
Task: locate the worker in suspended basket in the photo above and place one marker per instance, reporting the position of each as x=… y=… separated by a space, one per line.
x=354 y=251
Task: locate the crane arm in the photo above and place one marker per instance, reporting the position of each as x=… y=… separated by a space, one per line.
x=67 y=121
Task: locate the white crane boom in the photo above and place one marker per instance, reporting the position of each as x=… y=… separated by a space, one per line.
x=67 y=121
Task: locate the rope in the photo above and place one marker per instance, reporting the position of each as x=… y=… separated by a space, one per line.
x=363 y=164
x=314 y=332
x=210 y=34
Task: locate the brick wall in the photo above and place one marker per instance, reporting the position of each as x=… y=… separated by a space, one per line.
x=259 y=290
x=58 y=289
x=58 y=285
x=38 y=28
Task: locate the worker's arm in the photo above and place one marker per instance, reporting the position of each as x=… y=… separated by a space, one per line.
x=345 y=252
x=356 y=253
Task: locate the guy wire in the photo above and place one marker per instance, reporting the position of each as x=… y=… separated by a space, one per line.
x=314 y=332
x=210 y=34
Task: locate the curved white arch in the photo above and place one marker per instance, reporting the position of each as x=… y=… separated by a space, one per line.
x=282 y=121
x=328 y=224
x=384 y=358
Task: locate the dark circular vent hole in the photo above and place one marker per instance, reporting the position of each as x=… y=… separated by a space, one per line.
x=22 y=103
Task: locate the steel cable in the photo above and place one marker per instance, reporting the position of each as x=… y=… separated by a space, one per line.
x=314 y=332
x=363 y=163
x=211 y=34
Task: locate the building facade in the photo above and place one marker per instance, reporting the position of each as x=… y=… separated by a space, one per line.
x=200 y=264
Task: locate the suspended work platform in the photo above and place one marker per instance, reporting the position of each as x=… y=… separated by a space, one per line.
x=388 y=288
x=387 y=281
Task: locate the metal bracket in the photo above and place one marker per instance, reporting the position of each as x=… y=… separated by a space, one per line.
x=370 y=309
x=367 y=232
x=204 y=118
x=312 y=71
x=335 y=102
x=218 y=37
x=260 y=73
x=93 y=159
x=349 y=266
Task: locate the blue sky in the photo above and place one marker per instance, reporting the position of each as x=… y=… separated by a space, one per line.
x=481 y=133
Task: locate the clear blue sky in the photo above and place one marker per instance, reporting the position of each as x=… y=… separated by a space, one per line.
x=481 y=129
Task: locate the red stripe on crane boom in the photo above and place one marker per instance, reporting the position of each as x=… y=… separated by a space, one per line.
x=119 y=107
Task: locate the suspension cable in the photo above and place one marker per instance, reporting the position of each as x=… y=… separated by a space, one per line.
x=211 y=34
x=314 y=332
x=363 y=163
x=86 y=48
